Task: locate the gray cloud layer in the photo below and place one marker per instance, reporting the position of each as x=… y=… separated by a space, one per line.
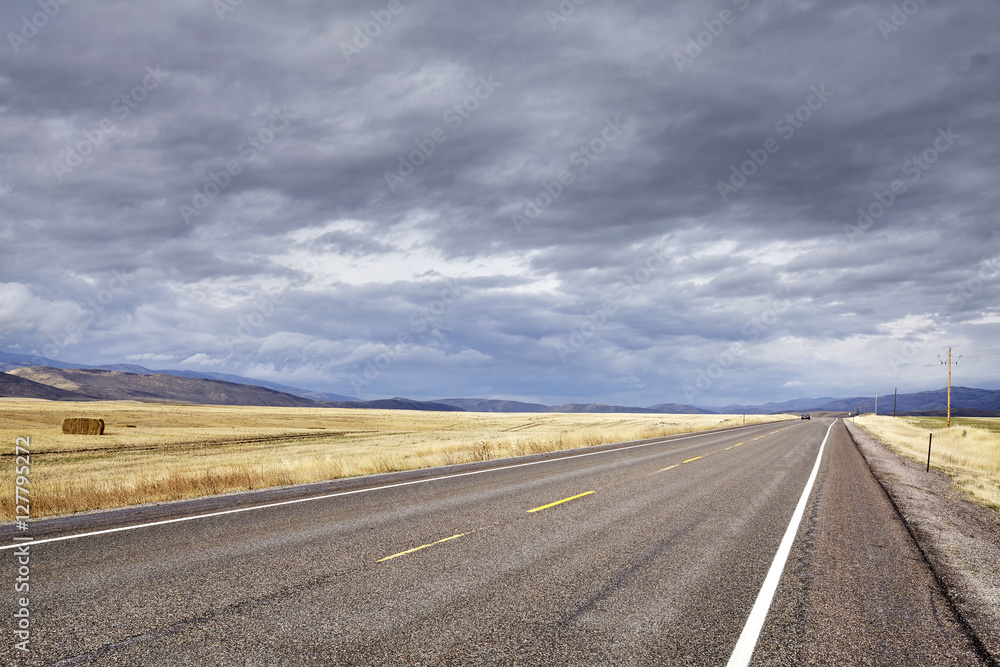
x=608 y=201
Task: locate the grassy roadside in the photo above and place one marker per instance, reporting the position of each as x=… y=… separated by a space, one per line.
x=968 y=452
x=156 y=452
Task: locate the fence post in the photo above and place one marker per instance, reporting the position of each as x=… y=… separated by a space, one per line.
x=930 y=436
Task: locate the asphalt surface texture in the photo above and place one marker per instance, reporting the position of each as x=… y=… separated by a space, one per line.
x=655 y=557
x=958 y=537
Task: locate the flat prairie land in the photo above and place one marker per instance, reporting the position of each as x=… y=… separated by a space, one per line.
x=154 y=452
x=968 y=452
x=938 y=423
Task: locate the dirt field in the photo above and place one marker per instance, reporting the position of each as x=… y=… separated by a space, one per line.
x=156 y=452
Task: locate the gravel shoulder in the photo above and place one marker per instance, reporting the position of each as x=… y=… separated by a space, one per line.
x=960 y=539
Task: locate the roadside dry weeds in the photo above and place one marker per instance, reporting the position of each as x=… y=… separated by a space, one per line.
x=968 y=452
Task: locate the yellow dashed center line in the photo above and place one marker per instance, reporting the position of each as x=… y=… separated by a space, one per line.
x=543 y=507
x=560 y=502
x=422 y=546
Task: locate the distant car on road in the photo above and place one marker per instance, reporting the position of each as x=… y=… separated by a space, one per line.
x=807 y=416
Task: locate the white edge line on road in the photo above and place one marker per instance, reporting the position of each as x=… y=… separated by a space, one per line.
x=747 y=642
x=355 y=491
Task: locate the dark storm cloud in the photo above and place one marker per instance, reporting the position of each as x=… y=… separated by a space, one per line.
x=474 y=192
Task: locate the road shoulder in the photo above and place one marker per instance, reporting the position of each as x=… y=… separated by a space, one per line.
x=960 y=539
x=856 y=589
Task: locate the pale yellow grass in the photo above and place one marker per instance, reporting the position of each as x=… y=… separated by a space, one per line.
x=970 y=455
x=155 y=452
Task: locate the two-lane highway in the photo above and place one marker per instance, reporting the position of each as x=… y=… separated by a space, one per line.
x=645 y=554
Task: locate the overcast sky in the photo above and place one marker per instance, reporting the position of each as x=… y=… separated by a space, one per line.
x=595 y=200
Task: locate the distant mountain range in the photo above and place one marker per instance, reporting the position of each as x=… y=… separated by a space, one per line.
x=662 y=408
x=493 y=405
x=98 y=384
x=29 y=376
x=969 y=401
x=9 y=361
x=105 y=385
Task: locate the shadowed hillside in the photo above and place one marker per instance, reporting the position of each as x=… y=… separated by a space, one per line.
x=117 y=385
x=12 y=386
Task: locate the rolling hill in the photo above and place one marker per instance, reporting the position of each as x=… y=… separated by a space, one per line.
x=239 y=379
x=398 y=403
x=681 y=409
x=10 y=361
x=492 y=405
x=923 y=401
x=122 y=386
x=987 y=402
x=602 y=408
x=495 y=405
x=962 y=398
x=12 y=386
x=72 y=384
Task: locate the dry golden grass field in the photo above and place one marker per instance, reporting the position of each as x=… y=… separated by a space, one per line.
x=155 y=452
x=968 y=452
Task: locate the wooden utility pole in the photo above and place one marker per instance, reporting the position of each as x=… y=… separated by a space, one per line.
x=949 y=363
x=895 y=392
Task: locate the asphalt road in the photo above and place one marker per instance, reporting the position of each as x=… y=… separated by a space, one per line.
x=657 y=558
